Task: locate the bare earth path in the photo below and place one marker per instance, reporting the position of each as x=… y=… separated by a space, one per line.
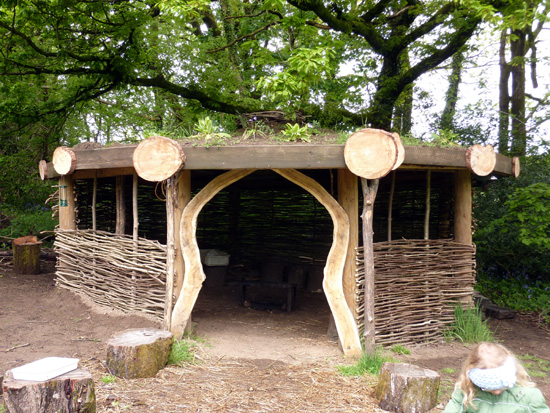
x=250 y=360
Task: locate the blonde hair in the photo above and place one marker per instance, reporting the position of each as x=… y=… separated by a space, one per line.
x=487 y=356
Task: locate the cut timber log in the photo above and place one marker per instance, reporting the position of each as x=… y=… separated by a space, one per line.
x=515 y=166
x=400 y=151
x=43 y=169
x=481 y=160
x=64 y=160
x=69 y=393
x=407 y=388
x=138 y=352
x=158 y=158
x=26 y=255
x=371 y=153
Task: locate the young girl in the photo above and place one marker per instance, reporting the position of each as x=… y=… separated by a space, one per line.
x=492 y=380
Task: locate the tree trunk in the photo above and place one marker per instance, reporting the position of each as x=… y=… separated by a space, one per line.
x=503 y=98
x=517 y=108
x=451 y=97
x=69 y=393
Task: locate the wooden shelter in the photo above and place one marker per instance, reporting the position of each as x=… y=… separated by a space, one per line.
x=364 y=285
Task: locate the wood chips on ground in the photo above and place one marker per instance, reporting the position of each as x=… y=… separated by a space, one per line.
x=236 y=385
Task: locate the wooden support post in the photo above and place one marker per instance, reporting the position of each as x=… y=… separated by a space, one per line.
x=348 y=197
x=463 y=207
x=94 y=204
x=135 y=215
x=183 y=198
x=120 y=206
x=67 y=213
x=171 y=200
x=369 y=195
x=427 y=210
x=390 y=204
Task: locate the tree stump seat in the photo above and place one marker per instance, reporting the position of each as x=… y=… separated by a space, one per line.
x=139 y=352
x=26 y=255
x=406 y=388
x=72 y=392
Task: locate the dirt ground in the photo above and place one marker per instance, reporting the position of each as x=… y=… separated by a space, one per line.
x=255 y=359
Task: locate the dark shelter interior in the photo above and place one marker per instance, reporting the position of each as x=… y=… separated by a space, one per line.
x=264 y=228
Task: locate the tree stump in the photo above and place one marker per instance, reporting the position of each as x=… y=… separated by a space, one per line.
x=69 y=393
x=138 y=352
x=406 y=388
x=26 y=255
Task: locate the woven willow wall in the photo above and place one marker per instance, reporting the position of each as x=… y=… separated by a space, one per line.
x=113 y=270
x=417 y=285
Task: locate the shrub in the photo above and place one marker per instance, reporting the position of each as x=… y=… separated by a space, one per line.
x=468 y=326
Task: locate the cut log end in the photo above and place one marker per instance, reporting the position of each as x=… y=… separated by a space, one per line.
x=515 y=166
x=138 y=352
x=371 y=153
x=405 y=387
x=158 y=158
x=481 y=160
x=64 y=160
x=43 y=169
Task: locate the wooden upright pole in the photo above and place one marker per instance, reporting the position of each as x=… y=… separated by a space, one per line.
x=348 y=198
x=183 y=197
x=370 y=188
x=67 y=213
x=463 y=207
x=120 y=206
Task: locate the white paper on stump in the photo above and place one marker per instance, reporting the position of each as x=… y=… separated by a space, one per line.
x=45 y=369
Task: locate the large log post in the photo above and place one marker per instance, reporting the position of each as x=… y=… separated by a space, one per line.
x=463 y=207
x=183 y=198
x=344 y=319
x=348 y=198
x=67 y=212
x=26 y=255
x=120 y=225
x=72 y=392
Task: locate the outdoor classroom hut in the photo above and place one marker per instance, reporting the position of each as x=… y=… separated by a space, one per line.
x=384 y=230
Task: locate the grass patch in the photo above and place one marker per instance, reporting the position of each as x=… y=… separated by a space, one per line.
x=468 y=326
x=448 y=370
x=183 y=351
x=399 y=349
x=108 y=378
x=536 y=367
x=367 y=363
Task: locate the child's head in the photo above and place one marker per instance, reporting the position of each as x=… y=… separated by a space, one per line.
x=490 y=367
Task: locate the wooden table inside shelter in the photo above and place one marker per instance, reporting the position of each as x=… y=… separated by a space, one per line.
x=242 y=288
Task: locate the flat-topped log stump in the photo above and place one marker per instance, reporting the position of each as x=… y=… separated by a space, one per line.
x=138 y=352
x=26 y=255
x=406 y=388
x=69 y=393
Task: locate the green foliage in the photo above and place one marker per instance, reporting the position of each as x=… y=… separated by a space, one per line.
x=295 y=133
x=367 y=363
x=520 y=294
x=399 y=349
x=183 y=351
x=468 y=326
x=206 y=130
x=512 y=218
x=256 y=128
x=442 y=139
x=22 y=223
x=108 y=379
x=448 y=370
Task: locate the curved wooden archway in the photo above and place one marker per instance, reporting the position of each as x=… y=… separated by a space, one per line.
x=333 y=272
